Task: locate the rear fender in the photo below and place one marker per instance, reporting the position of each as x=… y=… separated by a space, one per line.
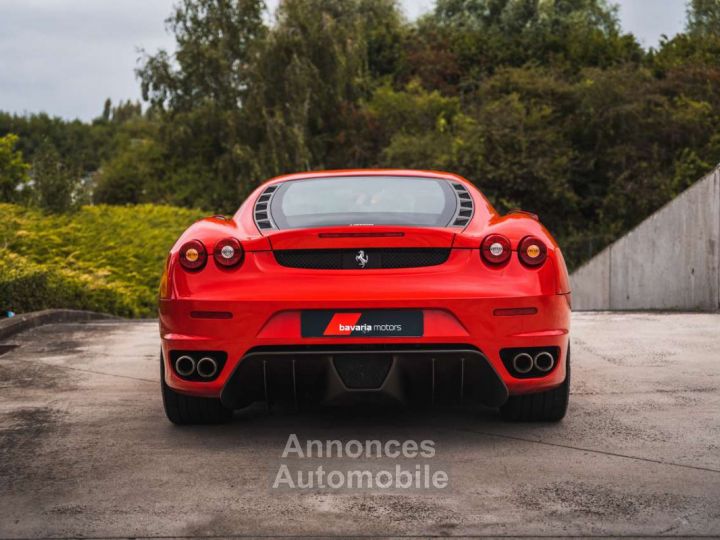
x=209 y=231
x=515 y=227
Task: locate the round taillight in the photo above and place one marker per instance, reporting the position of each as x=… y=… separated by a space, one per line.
x=532 y=251
x=495 y=249
x=193 y=255
x=228 y=252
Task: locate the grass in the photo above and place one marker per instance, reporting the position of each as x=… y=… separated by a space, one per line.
x=102 y=258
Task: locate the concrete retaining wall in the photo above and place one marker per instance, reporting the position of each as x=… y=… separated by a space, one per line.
x=670 y=261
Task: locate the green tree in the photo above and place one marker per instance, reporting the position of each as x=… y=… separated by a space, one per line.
x=311 y=71
x=82 y=145
x=54 y=184
x=13 y=170
x=545 y=104
x=132 y=176
x=519 y=150
x=215 y=42
x=417 y=128
x=703 y=18
x=197 y=95
x=571 y=33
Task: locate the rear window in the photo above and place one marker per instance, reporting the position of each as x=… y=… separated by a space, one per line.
x=363 y=200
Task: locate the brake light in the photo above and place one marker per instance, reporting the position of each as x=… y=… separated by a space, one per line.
x=228 y=252
x=532 y=251
x=193 y=255
x=495 y=249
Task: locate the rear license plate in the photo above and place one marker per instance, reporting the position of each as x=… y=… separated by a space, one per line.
x=362 y=323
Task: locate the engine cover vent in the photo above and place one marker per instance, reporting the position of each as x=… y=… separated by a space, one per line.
x=261 y=212
x=465 y=209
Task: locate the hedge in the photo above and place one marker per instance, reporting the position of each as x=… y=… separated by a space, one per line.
x=101 y=258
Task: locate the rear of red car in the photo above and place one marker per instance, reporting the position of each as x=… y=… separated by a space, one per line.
x=370 y=285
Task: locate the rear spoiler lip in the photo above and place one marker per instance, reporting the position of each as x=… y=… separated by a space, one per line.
x=524 y=212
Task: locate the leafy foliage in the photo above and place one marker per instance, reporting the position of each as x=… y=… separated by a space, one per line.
x=54 y=184
x=198 y=94
x=13 y=170
x=103 y=258
x=704 y=18
x=544 y=104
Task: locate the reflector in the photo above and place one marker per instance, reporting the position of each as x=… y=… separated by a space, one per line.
x=507 y=312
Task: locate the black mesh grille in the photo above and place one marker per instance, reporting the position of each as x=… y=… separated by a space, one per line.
x=351 y=259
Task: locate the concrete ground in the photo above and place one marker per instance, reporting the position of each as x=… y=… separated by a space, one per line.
x=85 y=449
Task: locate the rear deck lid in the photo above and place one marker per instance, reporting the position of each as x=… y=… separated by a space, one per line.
x=361 y=247
x=360 y=237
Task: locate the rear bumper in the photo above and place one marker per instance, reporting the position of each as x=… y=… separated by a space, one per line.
x=269 y=324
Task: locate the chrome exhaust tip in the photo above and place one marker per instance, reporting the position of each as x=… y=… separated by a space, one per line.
x=185 y=366
x=544 y=361
x=522 y=363
x=207 y=367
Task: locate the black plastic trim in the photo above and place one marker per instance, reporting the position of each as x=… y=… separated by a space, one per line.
x=481 y=383
x=465 y=206
x=261 y=211
x=376 y=258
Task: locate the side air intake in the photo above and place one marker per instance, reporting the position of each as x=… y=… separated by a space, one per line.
x=465 y=209
x=261 y=211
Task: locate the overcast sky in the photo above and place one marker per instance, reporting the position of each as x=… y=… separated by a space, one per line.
x=65 y=57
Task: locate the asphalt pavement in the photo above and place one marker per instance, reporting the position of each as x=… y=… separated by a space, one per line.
x=85 y=448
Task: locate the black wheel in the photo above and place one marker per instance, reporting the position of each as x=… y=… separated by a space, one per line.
x=184 y=410
x=548 y=406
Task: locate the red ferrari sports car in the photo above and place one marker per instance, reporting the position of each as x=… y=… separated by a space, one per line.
x=365 y=285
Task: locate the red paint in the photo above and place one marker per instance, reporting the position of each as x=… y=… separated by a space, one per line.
x=341 y=323
x=458 y=298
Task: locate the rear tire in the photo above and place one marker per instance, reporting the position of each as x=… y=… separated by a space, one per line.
x=548 y=406
x=187 y=410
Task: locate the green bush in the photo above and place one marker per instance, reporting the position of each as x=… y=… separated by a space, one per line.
x=27 y=286
x=101 y=258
